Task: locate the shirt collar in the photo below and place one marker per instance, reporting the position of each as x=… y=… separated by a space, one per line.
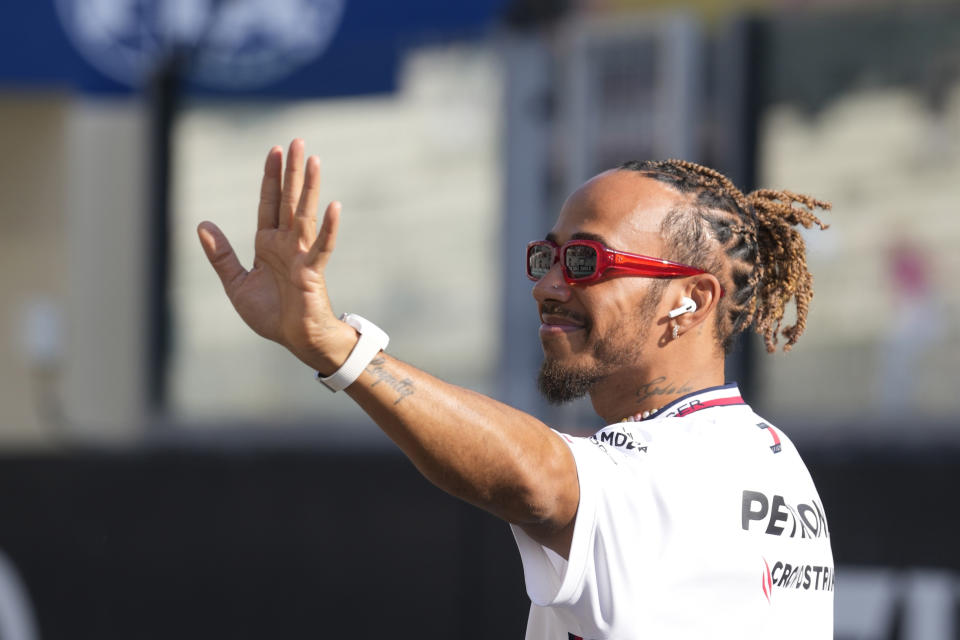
x=722 y=396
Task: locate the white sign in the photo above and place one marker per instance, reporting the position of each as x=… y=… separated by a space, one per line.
x=238 y=44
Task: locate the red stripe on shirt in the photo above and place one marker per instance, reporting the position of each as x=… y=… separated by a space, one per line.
x=718 y=402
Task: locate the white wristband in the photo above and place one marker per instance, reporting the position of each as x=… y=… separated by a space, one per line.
x=372 y=340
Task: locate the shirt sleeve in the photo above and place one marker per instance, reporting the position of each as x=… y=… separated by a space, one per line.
x=616 y=493
x=550 y=579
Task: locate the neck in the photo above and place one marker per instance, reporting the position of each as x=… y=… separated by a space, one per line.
x=632 y=391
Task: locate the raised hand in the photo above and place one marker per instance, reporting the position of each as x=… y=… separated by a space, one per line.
x=284 y=296
x=473 y=447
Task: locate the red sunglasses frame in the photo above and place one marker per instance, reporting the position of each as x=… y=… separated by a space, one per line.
x=613 y=262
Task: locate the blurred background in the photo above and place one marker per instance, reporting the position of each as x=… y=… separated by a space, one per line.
x=164 y=472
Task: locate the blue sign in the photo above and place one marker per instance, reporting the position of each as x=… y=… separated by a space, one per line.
x=256 y=47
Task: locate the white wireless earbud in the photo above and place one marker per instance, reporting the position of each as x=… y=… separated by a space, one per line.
x=687 y=305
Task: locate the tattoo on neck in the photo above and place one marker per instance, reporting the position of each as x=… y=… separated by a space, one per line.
x=660 y=387
x=377 y=369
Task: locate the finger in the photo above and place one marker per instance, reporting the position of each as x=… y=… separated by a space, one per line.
x=270 y=190
x=221 y=256
x=292 y=184
x=327 y=238
x=309 y=200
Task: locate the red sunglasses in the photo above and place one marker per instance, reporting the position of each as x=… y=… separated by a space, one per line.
x=587 y=261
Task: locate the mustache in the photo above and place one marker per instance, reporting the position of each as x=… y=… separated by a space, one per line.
x=553 y=309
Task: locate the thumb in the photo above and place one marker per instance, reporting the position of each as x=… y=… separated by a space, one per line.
x=221 y=256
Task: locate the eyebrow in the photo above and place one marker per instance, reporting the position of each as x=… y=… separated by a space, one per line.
x=580 y=235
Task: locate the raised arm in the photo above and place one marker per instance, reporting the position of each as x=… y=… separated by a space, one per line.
x=471 y=446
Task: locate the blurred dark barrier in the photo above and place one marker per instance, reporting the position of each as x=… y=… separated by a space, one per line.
x=315 y=544
x=272 y=545
x=891 y=506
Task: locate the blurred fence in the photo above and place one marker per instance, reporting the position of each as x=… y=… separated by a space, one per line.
x=293 y=544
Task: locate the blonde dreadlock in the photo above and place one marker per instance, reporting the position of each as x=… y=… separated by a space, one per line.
x=763 y=255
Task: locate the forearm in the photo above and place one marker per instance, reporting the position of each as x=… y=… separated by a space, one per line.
x=471 y=446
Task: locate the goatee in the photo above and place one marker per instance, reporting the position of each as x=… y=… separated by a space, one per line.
x=560 y=384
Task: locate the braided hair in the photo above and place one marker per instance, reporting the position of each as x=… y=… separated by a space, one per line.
x=749 y=241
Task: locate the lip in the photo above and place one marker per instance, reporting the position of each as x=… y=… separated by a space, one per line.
x=557 y=324
x=557 y=329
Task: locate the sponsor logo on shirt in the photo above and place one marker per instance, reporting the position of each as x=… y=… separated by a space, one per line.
x=766 y=581
x=776 y=446
x=621 y=439
x=803 y=521
x=808 y=577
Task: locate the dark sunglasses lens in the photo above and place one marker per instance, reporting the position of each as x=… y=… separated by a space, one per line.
x=581 y=261
x=539 y=260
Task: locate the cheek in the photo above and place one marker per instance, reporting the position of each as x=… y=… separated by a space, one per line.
x=612 y=302
x=629 y=308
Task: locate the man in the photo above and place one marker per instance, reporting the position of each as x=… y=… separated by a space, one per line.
x=688 y=517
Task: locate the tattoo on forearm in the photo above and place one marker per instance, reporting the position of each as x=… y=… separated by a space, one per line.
x=660 y=387
x=404 y=388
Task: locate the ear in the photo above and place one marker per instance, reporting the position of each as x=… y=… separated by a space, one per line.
x=705 y=291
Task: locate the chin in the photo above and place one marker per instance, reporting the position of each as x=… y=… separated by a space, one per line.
x=563 y=379
x=563 y=343
x=563 y=354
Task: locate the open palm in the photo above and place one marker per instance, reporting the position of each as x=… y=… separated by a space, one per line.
x=284 y=296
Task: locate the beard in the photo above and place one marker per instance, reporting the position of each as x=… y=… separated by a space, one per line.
x=560 y=383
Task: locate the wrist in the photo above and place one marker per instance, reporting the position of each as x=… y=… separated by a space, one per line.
x=337 y=349
x=372 y=340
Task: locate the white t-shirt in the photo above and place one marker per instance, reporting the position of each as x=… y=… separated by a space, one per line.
x=698 y=522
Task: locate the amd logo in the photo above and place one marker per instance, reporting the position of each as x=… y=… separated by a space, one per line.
x=621 y=439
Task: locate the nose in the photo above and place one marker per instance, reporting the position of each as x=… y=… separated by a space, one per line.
x=552 y=286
